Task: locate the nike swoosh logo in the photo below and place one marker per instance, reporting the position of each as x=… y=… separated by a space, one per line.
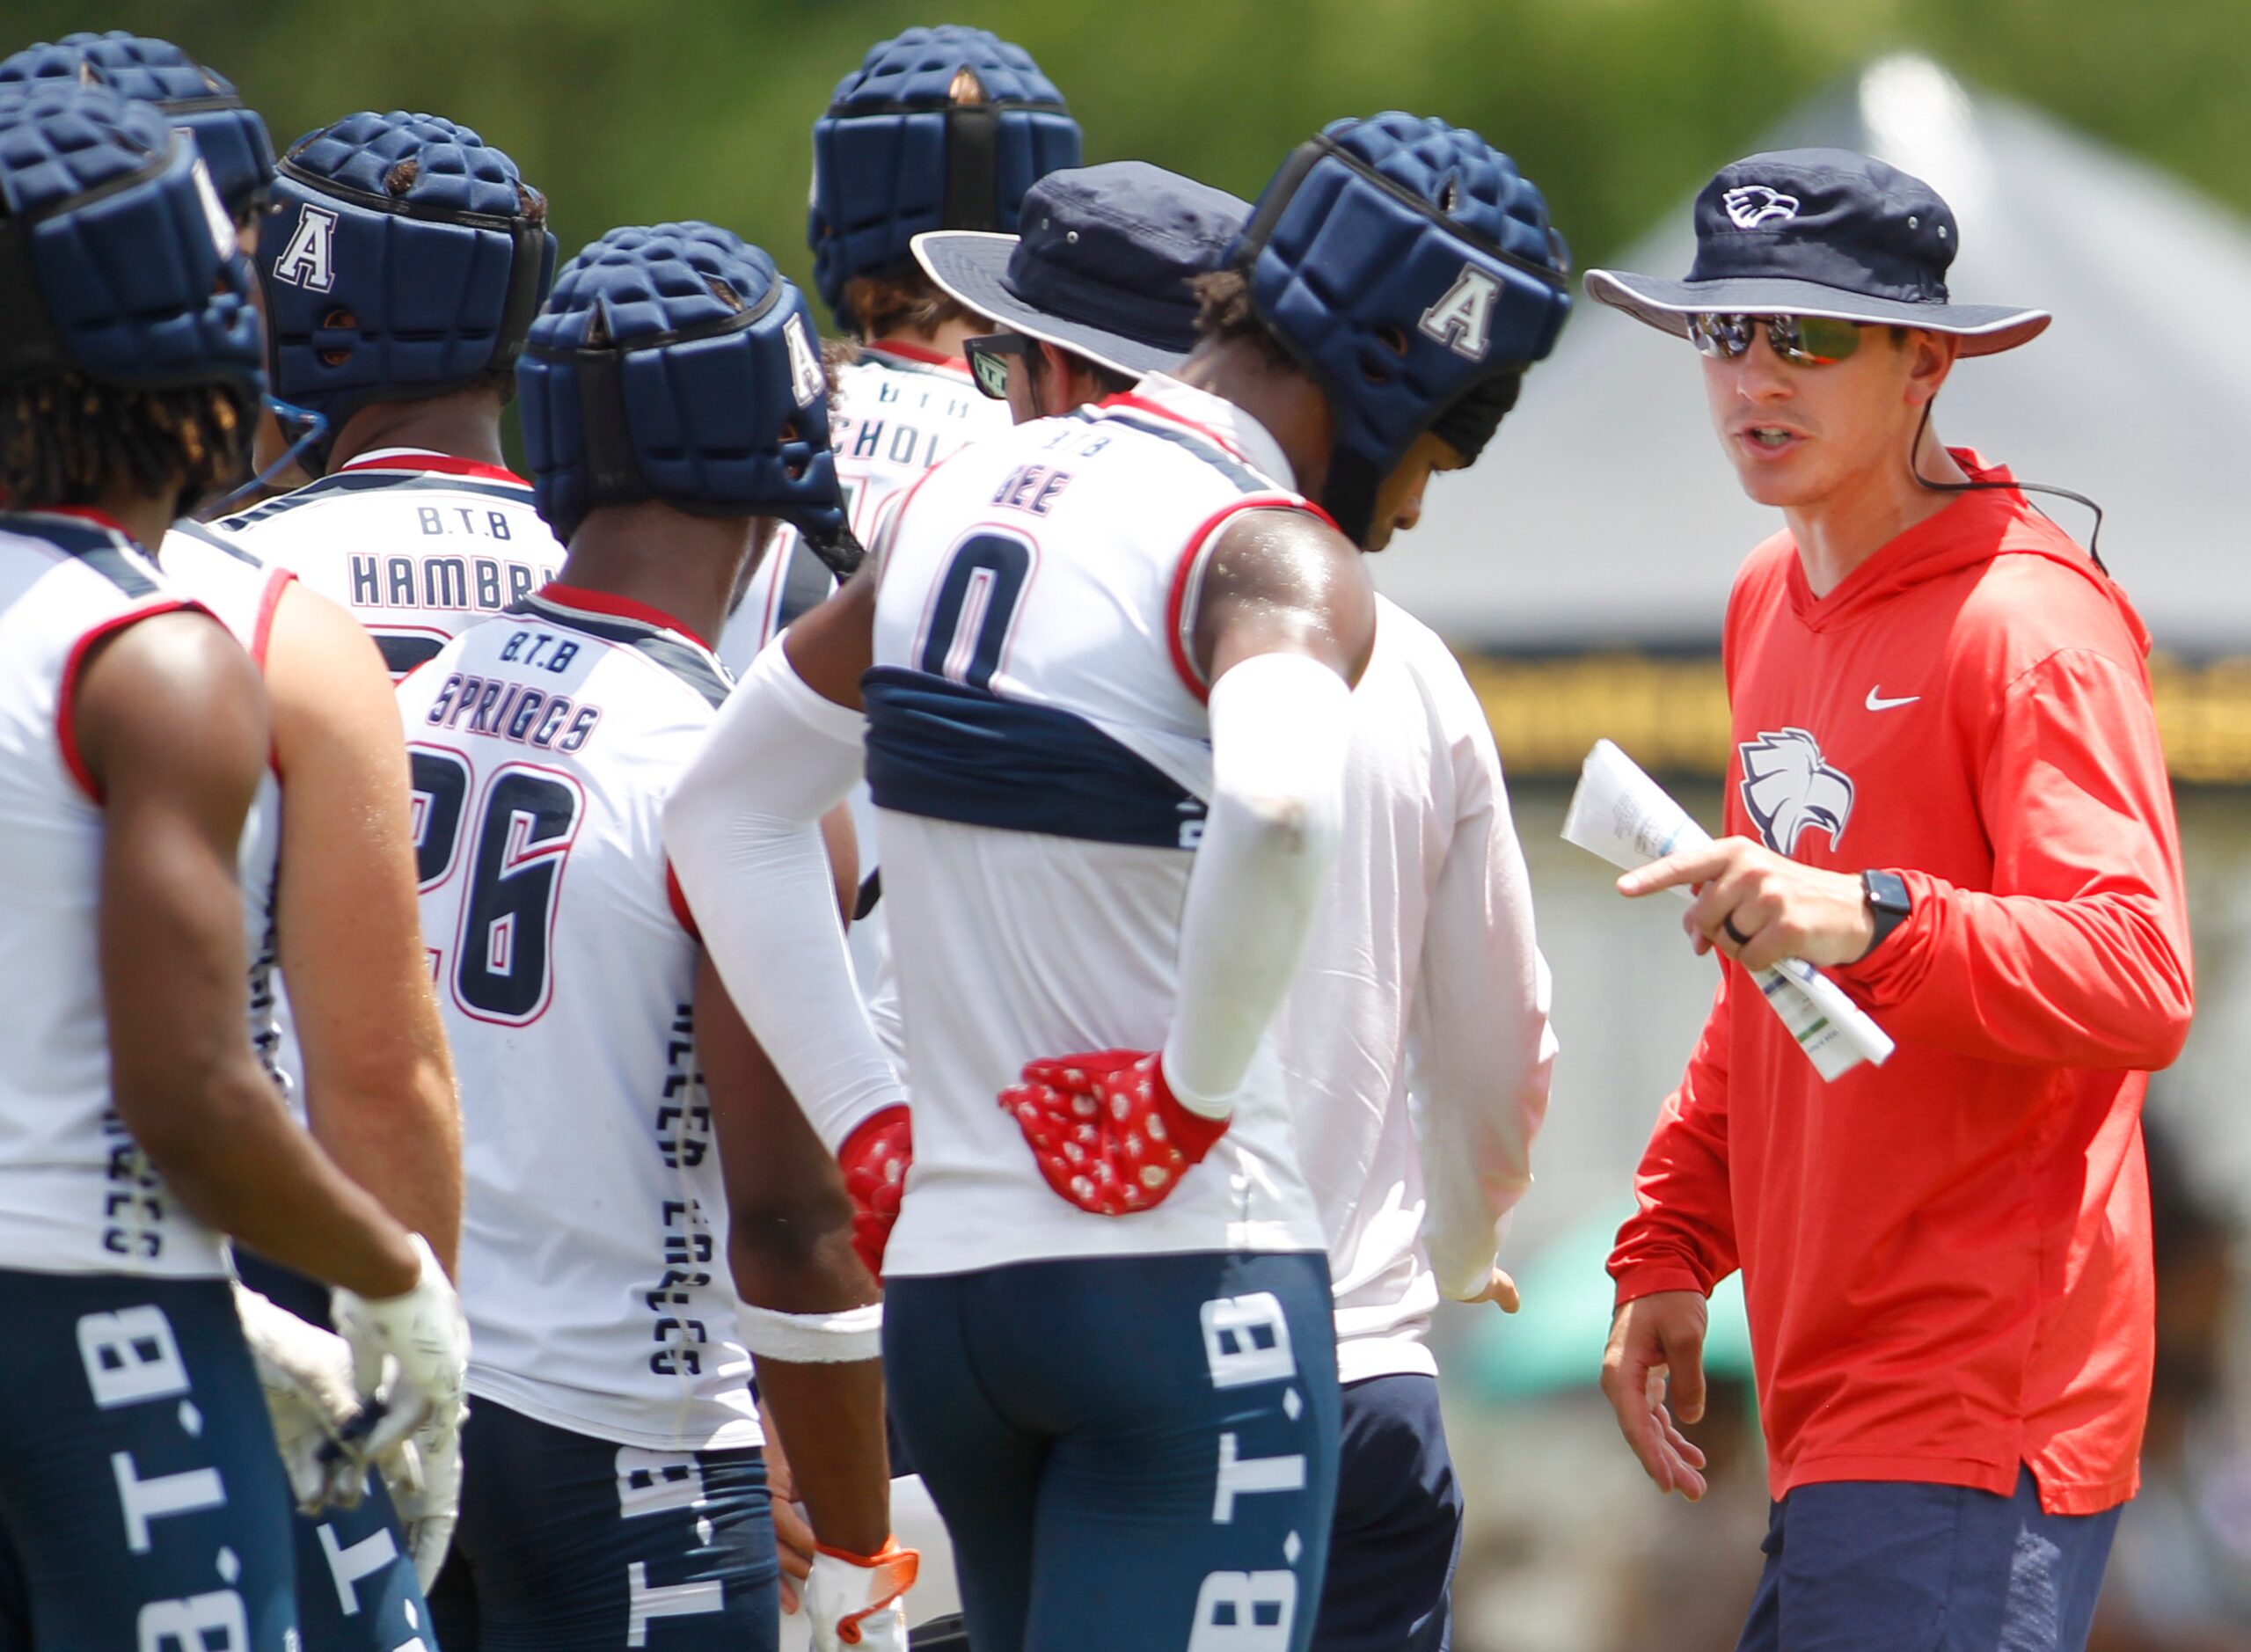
x=1877 y=703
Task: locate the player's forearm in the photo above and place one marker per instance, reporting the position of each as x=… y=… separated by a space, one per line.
x=236 y=1158
x=1483 y=1049
x=831 y=1418
x=741 y=832
x=1279 y=725
x=402 y=1143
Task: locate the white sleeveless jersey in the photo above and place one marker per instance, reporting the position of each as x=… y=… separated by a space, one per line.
x=592 y=1248
x=418 y=545
x=242 y=593
x=898 y=410
x=1039 y=752
x=1422 y=966
x=77 y=1196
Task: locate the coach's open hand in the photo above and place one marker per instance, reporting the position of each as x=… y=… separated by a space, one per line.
x=1760 y=907
x=1656 y=1341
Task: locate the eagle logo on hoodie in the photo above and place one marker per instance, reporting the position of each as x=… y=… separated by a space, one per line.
x=1786 y=788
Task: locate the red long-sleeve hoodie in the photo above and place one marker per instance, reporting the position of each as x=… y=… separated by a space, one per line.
x=1946 y=1259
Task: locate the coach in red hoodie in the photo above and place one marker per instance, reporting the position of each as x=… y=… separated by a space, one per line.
x=1946 y=790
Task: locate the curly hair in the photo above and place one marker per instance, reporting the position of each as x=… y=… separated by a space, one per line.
x=69 y=440
x=1224 y=312
x=901 y=301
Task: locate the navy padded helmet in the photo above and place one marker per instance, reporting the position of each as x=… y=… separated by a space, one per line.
x=1414 y=275
x=675 y=363
x=941 y=128
x=232 y=138
x=117 y=260
x=376 y=294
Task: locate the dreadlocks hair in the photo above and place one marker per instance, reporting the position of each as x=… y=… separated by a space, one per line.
x=68 y=440
x=1224 y=312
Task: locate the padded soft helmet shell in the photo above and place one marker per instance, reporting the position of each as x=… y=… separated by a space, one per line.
x=372 y=296
x=675 y=363
x=233 y=140
x=117 y=260
x=1411 y=273
x=941 y=128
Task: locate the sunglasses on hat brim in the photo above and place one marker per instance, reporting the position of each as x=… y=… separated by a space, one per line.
x=988 y=359
x=1803 y=340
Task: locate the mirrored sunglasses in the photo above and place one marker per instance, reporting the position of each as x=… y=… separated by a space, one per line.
x=1805 y=340
x=988 y=359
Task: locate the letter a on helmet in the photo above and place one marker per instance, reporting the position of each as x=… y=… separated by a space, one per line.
x=1462 y=319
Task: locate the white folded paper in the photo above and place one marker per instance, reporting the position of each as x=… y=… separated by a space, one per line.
x=1620 y=814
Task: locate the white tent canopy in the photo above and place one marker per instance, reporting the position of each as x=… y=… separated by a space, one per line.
x=1604 y=513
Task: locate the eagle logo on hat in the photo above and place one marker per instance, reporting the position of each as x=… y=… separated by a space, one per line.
x=1786 y=788
x=1751 y=205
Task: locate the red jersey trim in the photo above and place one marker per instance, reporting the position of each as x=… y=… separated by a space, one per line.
x=676 y=898
x=66 y=702
x=269 y=602
x=1187 y=574
x=921 y=352
x=438 y=463
x=590 y=601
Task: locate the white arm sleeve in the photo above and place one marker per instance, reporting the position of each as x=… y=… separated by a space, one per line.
x=1280 y=727
x=744 y=833
x=1481 y=1049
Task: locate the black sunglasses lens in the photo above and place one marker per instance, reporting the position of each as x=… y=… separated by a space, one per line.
x=990 y=368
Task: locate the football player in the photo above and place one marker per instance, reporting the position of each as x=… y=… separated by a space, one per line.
x=358 y=1049
x=940 y=129
x=1422 y=956
x=139 y=1126
x=675 y=412
x=401 y=263
x=1106 y=726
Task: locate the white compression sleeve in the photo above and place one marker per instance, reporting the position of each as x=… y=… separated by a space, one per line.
x=742 y=831
x=1280 y=725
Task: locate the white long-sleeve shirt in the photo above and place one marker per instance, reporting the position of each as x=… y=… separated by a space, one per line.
x=1423 y=979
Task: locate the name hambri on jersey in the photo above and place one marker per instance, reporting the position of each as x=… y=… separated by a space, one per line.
x=418 y=545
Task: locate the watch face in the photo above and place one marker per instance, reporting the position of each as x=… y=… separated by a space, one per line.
x=1887 y=892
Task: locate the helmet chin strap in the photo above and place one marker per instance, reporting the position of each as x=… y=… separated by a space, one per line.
x=1914 y=470
x=314 y=426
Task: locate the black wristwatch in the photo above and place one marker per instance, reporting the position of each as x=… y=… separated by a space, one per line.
x=1888 y=902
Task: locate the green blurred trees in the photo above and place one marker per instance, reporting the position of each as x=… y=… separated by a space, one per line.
x=632 y=112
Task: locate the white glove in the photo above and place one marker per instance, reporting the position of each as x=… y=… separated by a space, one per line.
x=423 y=1473
x=410 y=1353
x=307 y=1375
x=853 y=1599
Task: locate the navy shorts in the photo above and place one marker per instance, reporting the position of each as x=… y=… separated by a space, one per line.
x=1130 y=1453
x=142 y=1501
x=356 y=1590
x=1873 y=1565
x=571 y=1544
x=1399 y=1524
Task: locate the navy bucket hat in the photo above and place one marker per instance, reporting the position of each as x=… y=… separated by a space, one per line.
x=1102 y=267
x=1821 y=233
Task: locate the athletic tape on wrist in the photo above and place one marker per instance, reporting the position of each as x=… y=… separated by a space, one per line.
x=837 y=1338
